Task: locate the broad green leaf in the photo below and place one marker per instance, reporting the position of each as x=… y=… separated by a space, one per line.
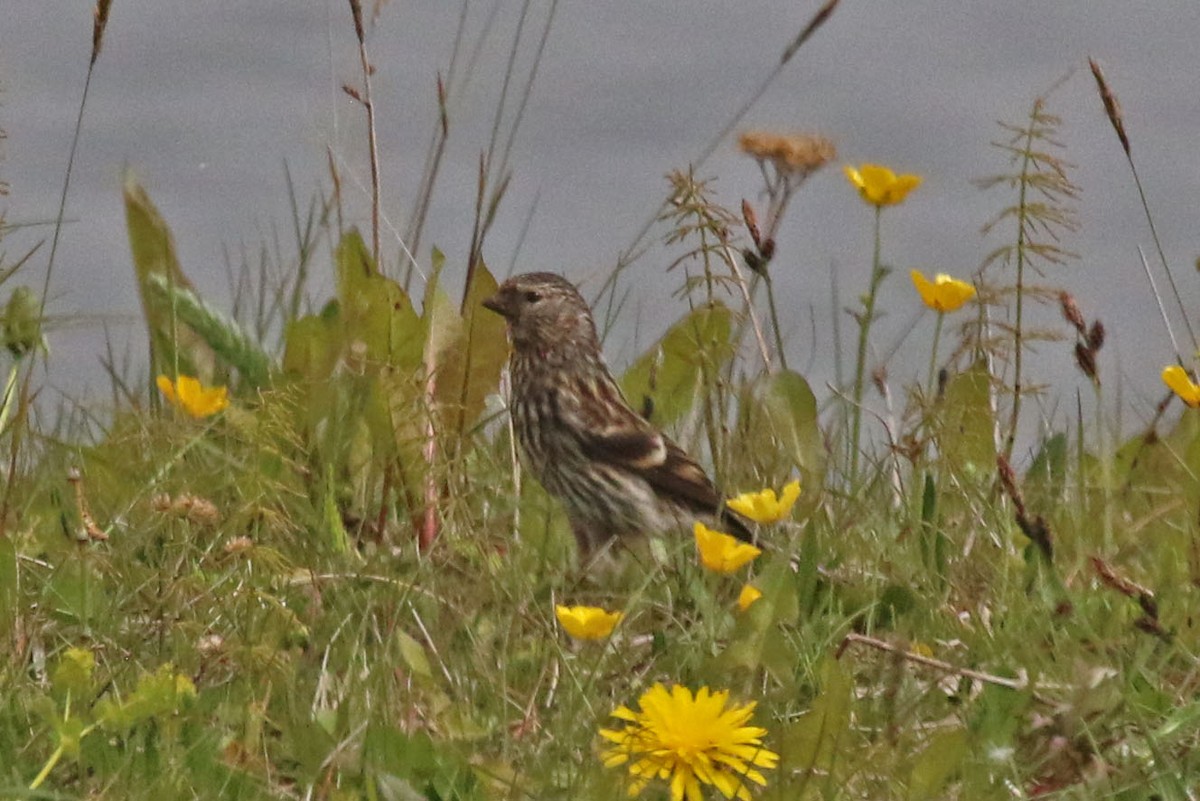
x=791 y=410
x=965 y=425
x=756 y=642
x=815 y=740
x=174 y=347
x=375 y=311
x=672 y=373
x=414 y=656
x=312 y=345
x=471 y=366
x=780 y=432
x=937 y=764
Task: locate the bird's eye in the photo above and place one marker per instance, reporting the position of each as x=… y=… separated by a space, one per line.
x=532 y=297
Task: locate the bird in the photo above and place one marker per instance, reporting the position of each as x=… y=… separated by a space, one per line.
x=616 y=474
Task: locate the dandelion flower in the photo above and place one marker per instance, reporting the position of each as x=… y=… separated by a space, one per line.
x=187 y=393
x=748 y=596
x=943 y=293
x=720 y=552
x=764 y=507
x=690 y=741
x=879 y=186
x=1182 y=385
x=587 y=622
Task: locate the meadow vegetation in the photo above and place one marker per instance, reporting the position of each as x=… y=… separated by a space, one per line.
x=298 y=559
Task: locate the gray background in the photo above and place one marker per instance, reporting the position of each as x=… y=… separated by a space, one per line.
x=205 y=101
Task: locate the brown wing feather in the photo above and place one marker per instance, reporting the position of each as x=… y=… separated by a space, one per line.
x=634 y=445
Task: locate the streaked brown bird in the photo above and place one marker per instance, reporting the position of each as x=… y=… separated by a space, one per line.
x=616 y=474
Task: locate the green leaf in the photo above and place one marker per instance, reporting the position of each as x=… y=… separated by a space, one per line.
x=965 y=426
x=1046 y=474
x=779 y=425
x=70 y=732
x=472 y=361
x=21 y=322
x=9 y=597
x=756 y=642
x=815 y=740
x=669 y=376
x=937 y=764
x=414 y=655
x=174 y=347
x=74 y=672
x=229 y=342
x=375 y=312
x=312 y=345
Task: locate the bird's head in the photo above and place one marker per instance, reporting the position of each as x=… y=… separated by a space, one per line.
x=544 y=311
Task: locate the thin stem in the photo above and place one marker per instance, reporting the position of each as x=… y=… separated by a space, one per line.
x=937 y=336
x=775 y=319
x=373 y=143
x=744 y=288
x=864 y=333
x=1162 y=257
x=1018 y=339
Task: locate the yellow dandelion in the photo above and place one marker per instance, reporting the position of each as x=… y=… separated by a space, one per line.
x=764 y=506
x=943 y=293
x=587 y=622
x=1182 y=385
x=720 y=552
x=187 y=393
x=748 y=596
x=689 y=740
x=879 y=186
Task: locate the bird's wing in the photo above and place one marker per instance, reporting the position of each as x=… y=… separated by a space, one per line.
x=627 y=440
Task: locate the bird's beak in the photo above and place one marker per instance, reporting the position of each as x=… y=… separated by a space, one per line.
x=496 y=303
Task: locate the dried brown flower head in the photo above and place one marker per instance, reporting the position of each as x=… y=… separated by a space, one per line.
x=789 y=153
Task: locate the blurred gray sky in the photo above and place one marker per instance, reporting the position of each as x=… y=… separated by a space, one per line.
x=206 y=101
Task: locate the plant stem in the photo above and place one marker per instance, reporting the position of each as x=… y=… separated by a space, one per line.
x=775 y=319
x=1018 y=340
x=864 y=331
x=937 y=337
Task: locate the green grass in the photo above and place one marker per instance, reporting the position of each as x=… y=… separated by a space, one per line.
x=343 y=587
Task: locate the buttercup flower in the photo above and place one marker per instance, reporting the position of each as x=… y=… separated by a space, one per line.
x=186 y=393
x=943 y=294
x=1182 y=385
x=764 y=507
x=879 y=186
x=587 y=622
x=720 y=552
x=748 y=596
x=689 y=741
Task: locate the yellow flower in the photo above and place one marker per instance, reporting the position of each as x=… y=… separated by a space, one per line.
x=748 y=596
x=587 y=622
x=879 y=186
x=186 y=393
x=764 y=507
x=943 y=294
x=722 y=553
x=1182 y=385
x=690 y=741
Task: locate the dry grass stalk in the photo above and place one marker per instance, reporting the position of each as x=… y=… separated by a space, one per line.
x=99 y=23
x=1111 y=106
